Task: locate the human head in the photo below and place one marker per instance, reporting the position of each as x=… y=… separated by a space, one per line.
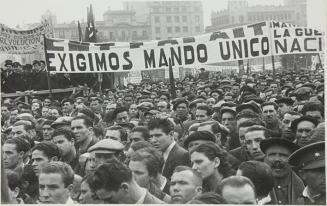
x=111 y=107
x=67 y=106
x=82 y=127
x=87 y=196
x=14 y=185
x=161 y=133
x=120 y=115
x=185 y=184
x=47 y=130
x=139 y=133
x=43 y=153
x=269 y=112
x=245 y=125
x=65 y=141
x=253 y=136
x=198 y=137
x=105 y=150
x=203 y=113
x=238 y=190
x=302 y=127
x=55 y=182
x=228 y=118
x=315 y=110
x=111 y=181
x=288 y=118
x=96 y=105
x=23 y=127
x=163 y=106
x=14 y=151
x=117 y=133
x=260 y=174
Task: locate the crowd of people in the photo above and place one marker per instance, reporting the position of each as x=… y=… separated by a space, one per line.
x=223 y=139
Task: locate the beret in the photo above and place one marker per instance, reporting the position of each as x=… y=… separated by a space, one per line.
x=199 y=135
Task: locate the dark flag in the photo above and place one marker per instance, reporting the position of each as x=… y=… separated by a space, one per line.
x=90 y=31
x=80 y=34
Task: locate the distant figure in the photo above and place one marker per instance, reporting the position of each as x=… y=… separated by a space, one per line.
x=203 y=75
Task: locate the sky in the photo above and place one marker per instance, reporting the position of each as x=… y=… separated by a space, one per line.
x=20 y=12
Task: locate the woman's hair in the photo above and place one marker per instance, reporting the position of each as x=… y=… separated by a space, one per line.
x=212 y=151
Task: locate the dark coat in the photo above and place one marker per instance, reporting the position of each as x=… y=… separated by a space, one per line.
x=151 y=199
x=241 y=154
x=177 y=156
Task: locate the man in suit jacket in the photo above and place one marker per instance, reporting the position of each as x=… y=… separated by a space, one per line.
x=113 y=183
x=161 y=137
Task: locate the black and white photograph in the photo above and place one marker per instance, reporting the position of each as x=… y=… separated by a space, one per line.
x=163 y=102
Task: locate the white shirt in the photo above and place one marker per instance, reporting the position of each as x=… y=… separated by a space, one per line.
x=167 y=151
x=141 y=200
x=306 y=194
x=69 y=201
x=264 y=200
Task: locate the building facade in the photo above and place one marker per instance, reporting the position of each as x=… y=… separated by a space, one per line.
x=239 y=13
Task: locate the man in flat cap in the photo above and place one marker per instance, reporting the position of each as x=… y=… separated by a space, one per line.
x=287 y=185
x=302 y=128
x=285 y=104
x=310 y=163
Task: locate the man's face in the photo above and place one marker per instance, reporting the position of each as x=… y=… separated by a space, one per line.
x=210 y=102
x=277 y=159
x=215 y=95
x=181 y=108
x=133 y=110
x=162 y=106
x=111 y=196
x=67 y=107
x=86 y=195
x=128 y=101
x=241 y=134
x=80 y=130
x=47 y=132
x=203 y=164
x=160 y=139
x=13 y=115
x=140 y=173
x=315 y=114
x=273 y=87
x=11 y=157
x=113 y=134
x=52 y=189
x=47 y=102
x=283 y=108
x=122 y=117
x=18 y=131
x=269 y=114
x=95 y=106
x=239 y=195
x=183 y=187
x=228 y=119
x=315 y=179
x=288 y=119
x=235 y=90
x=45 y=111
x=111 y=107
x=39 y=160
x=64 y=145
x=252 y=142
x=303 y=131
x=5 y=112
x=54 y=112
x=136 y=137
x=101 y=158
x=201 y=115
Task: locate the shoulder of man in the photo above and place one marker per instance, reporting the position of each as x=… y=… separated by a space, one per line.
x=151 y=199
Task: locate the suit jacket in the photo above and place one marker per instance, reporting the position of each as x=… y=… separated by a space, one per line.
x=151 y=199
x=241 y=154
x=177 y=156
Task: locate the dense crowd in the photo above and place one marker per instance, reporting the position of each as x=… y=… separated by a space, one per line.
x=223 y=139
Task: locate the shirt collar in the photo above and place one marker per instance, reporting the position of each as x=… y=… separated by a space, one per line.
x=142 y=198
x=69 y=201
x=264 y=200
x=167 y=151
x=306 y=193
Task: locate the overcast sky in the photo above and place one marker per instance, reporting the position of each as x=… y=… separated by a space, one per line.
x=14 y=12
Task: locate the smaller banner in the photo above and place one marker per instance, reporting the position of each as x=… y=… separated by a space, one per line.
x=14 y=41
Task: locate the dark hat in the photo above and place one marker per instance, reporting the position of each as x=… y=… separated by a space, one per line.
x=199 y=135
x=265 y=144
x=106 y=146
x=304 y=76
x=285 y=87
x=219 y=91
x=320 y=88
x=224 y=82
x=286 y=100
x=228 y=109
x=229 y=104
x=249 y=90
x=8 y=63
x=36 y=62
x=253 y=97
x=228 y=86
x=146 y=92
x=194 y=102
x=16 y=64
x=67 y=100
x=309 y=157
x=303 y=90
x=61 y=121
x=301 y=119
x=251 y=104
x=310 y=85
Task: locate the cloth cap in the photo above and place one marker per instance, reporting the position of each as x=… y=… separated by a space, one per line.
x=107 y=146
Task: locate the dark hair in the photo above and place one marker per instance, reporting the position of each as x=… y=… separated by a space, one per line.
x=211 y=151
x=67 y=100
x=68 y=134
x=22 y=145
x=88 y=113
x=49 y=149
x=87 y=121
x=151 y=157
x=56 y=108
x=252 y=122
x=313 y=106
x=178 y=102
x=143 y=130
x=118 y=110
x=98 y=131
x=110 y=176
x=260 y=174
x=165 y=124
x=122 y=131
x=270 y=103
x=61 y=168
x=206 y=108
x=140 y=144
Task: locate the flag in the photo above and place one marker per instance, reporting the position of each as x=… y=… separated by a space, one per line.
x=80 y=34
x=90 y=31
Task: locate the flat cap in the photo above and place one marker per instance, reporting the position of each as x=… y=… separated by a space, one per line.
x=301 y=119
x=8 y=63
x=106 y=146
x=62 y=121
x=265 y=144
x=309 y=157
x=199 y=135
x=251 y=104
x=286 y=100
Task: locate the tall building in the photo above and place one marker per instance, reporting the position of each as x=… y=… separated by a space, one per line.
x=169 y=19
x=239 y=13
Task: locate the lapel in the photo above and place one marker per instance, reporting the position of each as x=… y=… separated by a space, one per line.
x=170 y=160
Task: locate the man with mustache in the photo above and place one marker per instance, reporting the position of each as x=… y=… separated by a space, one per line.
x=288 y=186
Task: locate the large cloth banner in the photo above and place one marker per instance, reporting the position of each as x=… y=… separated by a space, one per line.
x=14 y=41
x=244 y=42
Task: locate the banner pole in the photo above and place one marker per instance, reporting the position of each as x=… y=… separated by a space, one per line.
x=47 y=65
x=171 y=79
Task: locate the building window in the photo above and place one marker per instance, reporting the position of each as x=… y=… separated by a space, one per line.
x=197 y=29
x=184 y=18
x=197 y=19
x=74 y=33
x=177 y=29
x=185 y=29
x=169 y=29
x=157 y=19
x=157 y=29
x=176 y=18
x=168 y=18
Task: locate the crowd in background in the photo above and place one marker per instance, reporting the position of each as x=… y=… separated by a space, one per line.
x=226 y=139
